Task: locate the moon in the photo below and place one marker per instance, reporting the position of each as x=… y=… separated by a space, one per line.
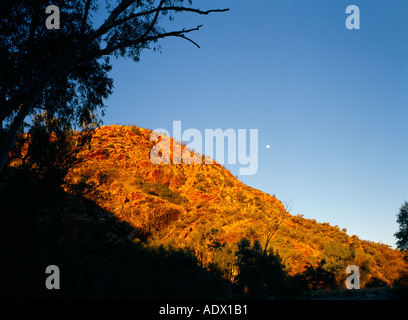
x=268 y=146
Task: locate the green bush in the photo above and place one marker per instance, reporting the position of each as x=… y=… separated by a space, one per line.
x=157 y=189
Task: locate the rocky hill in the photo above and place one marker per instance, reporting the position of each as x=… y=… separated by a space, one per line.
x=205 y=209
x=95 y=204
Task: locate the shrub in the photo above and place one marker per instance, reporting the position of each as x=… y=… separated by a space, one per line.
x=314 y=278
x=261 y=274
x=157 y=189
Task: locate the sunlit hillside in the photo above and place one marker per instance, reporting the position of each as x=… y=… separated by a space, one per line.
x=204 y=208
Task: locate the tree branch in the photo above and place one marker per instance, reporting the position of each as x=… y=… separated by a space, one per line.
x=108 y=24
x=272 y=233
x=31 y=39
x=158 y=10
x=150 y=27
x=154 y=19
x=87 y=5
x=188 y=39
x=180 y=33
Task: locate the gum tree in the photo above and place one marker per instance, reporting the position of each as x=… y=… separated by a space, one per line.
x=402 y=234
x=63 y=72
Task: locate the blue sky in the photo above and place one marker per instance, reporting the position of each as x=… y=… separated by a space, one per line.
x=331 y=102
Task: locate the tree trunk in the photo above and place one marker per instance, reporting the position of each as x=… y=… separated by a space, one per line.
x=33 y=96
x=11 y=135
x=25 y=109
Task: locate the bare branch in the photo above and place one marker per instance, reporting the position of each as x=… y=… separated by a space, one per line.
x=158 y=9
x=111 y=22
x=188 y=39
x=180 y=33
x=272 y=233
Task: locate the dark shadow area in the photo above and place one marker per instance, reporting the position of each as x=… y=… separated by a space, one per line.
x=44 y=226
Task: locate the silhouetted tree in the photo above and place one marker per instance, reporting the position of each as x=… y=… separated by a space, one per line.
x=261 y=274
x=52 y=148
x=65 y=71
x=318 y=277
x=402 y=234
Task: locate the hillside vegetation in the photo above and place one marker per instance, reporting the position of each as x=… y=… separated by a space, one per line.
x=204 y=210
